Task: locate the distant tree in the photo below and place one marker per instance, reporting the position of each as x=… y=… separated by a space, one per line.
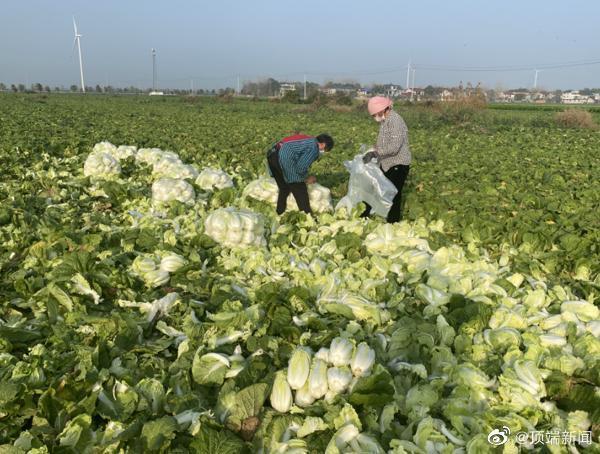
x=311 y=89
x=291 y=97
x=469 y=88
x=342 y=99
x=2 y=86
x=47 y=89
x=201 y=91
x=269 y=87
x=318 y=98
x=225 y=91
x=14 y=88
x=21 y=88
x=557 y=94
x=57 y=89
x=378 y=89
x=429 y=91
x=98 y=89
x=37 y=87
x=74 y=88
x=350 y=85
x=249 y=88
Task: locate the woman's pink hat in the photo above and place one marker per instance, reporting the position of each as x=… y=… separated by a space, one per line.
x=378 y=104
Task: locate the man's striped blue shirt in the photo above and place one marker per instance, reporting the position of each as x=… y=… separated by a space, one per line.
x=296 y=157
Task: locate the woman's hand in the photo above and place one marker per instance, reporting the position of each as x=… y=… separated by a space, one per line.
x=369 y=156
x=311 y=179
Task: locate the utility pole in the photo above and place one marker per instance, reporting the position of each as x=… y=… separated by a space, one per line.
x=305 y=87
x=238 y=85
x=408 y=76
x=153 y=69
x=412 y=91
x=535 y=79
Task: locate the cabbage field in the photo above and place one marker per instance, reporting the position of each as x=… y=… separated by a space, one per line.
x=153 y=301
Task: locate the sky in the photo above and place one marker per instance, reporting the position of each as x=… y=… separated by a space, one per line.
x=207 y=44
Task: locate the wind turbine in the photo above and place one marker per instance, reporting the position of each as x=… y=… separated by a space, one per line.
x=154 y=92
x=535 y=79
x=78 y=43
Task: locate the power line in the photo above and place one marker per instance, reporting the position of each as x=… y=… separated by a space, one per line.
x=398 y=69
x=508 y=68
x=425 y=67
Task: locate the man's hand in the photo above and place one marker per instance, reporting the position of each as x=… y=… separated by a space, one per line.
x=311 y=179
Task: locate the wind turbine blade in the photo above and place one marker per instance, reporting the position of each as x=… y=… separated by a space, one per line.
x=75 y=26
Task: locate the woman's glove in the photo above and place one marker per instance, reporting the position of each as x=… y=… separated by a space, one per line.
x=368 y=156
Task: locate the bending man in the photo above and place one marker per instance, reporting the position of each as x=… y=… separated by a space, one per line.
x=289 y=161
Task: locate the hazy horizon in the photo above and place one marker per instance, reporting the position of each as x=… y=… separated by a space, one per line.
x=208 y=45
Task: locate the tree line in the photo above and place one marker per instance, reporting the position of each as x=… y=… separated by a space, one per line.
x=265 y=88
x=39 y=88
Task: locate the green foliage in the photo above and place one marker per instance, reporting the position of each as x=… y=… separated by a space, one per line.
x=469 y=322
x=292 y=97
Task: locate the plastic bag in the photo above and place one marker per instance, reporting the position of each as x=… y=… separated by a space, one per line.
x=367 y=184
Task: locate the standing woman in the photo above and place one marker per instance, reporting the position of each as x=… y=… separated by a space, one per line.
x=391 y=151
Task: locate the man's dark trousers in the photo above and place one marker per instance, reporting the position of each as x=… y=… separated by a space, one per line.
x=299 y=190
